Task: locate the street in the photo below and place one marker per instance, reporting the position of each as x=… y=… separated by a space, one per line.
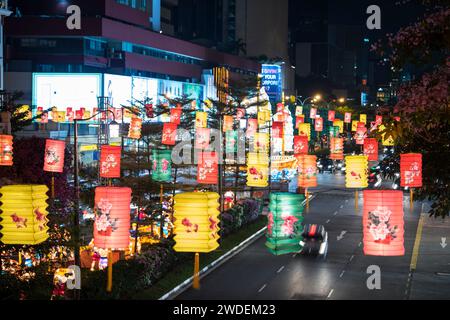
x=256 y=274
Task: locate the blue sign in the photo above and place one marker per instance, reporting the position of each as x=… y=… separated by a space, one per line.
x=272 y=81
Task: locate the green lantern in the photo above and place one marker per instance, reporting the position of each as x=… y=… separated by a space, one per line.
x=284 y=229
x=231 y=139
x=162 y=165
x=334 y=132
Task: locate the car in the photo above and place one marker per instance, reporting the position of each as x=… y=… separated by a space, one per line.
x=315 y=241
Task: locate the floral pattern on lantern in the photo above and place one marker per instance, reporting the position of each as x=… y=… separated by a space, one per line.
x=371 y=149
x=318 y=124
x=6 y=150
x=135 y=128
x=304 y=129
x=284 y=228
x=169 y=134
x=411 y=170
x=260 y=143
x=356 y=171
x=207 y=169
x=202 y=138
x=361 y=134
x=300 y=145
x=112 y=217
x=252 y=127
x=110 y=161
x=336 y=148
x=257 y=170
x=312 y=113
x=331 y=115
x=231 y=139
x=299 y=120
x=162 y=165
x=201 y=119
x=348 y=117
x=307 y=171
x=175 y=115
x=54 y=155
x=340 y=124
x=196 y=225
x=23 y=213
x=383 y=223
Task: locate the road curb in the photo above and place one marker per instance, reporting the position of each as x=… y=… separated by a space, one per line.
x=217 y=263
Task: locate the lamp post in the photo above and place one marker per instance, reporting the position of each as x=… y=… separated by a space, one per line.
x=76 y=232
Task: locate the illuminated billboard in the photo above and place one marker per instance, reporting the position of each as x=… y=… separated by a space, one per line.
x=272 y=81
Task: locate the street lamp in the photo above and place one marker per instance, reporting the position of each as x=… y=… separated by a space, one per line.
x=315 y=98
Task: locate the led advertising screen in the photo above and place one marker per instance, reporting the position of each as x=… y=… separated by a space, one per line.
x=272 y=81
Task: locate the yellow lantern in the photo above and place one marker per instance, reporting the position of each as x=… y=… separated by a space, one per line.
x=201 y=119
x=257 y=170
x=261 y=143
x=340 y=124
x=363 y=118
x=387 y=142
x=356 y=171
x=24 y=214
x=304 y=129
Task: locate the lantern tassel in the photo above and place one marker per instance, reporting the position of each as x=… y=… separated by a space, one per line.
x=356 y=200
x=196 y=281
x=20 y=258
x=110 y=272
x=411 y=200
x=53 y=186
x=307 y=199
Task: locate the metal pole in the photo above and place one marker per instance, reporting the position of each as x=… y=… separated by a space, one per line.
x=76 y=220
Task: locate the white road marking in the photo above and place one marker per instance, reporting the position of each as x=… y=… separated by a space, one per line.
x=327 y=221
x=262 y=288
x=342 y=273
x=341 y=206
x=281 y=269
x=294 y=255
x=331 y=292
x=351 y=258
x=335 y=213
x=360 y=243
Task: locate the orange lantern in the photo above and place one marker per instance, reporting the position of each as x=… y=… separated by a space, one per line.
x=112 y=217
x=318 y=124
x=227 y=123
x=336 y=148
x=54 y=155
x=169 y=134
x=135 y=128
x=383 y=223
x=300 y=145
x=348 y=117
x=307 y=170
x=371 y=149
x=110 y=161
x=411 y=170
x=202 y=138
x=175 y=115
x=298 y=120
x=208 y=170
x=331 y=115
x=6 y=150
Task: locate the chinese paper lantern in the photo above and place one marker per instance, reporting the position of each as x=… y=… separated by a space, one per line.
x=300 y=145
x=112 y=218
x=356 y=171
x=307 y=171
x=261 y=143
x=334 y=132
x=340 y=124
x=252 y=127
x=202 y=138
x=262 y=118
x=298 y=120
x=207 y=169
x=169 y=134
x=348 y=117
x=304 y=129
x=162 y=165
x=23 y=214
x=363 y=118
x=110 y=161
x=318 y=124
x=175 y=115
x=298 y=111
x=135 y=128
x=227 y=123
x=6 y=150
x=331 y=115
x=231 y=137
x=336 y=148
x=54 y=155
x=385 y=141
x=240 y=113
x=277 y=129
x=411 y=170
x=257 y=170
x=354 y=125
x=378 y=120
x=360 y=135
x=201 y=119
x=284 y=228
x=312 y=113
x=371 y=149
x=383 y=223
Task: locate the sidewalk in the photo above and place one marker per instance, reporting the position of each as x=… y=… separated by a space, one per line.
x=431 y=279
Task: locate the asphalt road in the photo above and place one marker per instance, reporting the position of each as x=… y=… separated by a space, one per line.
x=256 y=274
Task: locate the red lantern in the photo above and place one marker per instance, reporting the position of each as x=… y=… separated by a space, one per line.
x=378 y=120
x=208 y=169
x=135 y=128
x=318 y=124
x=175 y=115
x=202 y=138
x=331 y=115
x=148 y=111
x=383 y=223
x=307 y=171
x=277 y=129
x=252 y=127
x=371 y=149
x=348 y=117
x=411 y=170
x=240 y=113
x=360 y=134
x=112 y=217
x=54 y=155
x=110 y=161
x=6 y=150
x=336 y=148
x=313 y=113
x=169 y=134
x=300 y=145
x=299 y=120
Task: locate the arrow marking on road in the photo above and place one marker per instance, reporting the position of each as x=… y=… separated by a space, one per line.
x=281 y=269
x=327 y=221
x=351 y=258
x=341 y=236
x=443 y=242
x=262 y=288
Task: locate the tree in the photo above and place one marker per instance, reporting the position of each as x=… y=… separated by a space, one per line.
x=423 y=104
